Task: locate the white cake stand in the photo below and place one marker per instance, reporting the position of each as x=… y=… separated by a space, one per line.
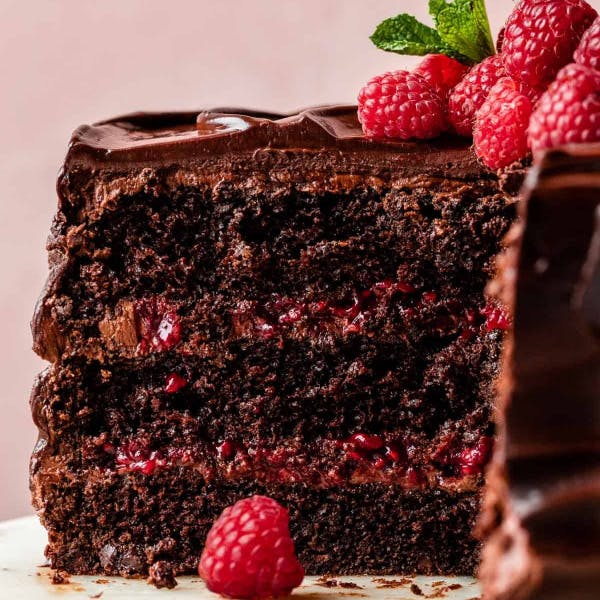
x=21 y=552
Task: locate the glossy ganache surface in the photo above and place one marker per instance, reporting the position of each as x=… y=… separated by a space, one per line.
x=162 y=137
x=545 y=481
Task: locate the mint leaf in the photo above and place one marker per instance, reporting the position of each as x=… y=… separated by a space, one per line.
x=483 y=21
x=436 y=7
x=463 y=32
x=403 y=34
x=464 y=26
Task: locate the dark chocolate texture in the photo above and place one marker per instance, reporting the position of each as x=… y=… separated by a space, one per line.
x=242 y=302
x=369 y=528
x=544 y=490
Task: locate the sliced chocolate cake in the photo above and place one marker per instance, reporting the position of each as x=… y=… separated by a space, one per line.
x=247 y=303
x=543 y=499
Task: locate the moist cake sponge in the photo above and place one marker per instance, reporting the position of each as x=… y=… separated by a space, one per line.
x=249 y=303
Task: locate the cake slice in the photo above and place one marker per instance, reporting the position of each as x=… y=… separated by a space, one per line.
x=247 y=303
x=543 y=499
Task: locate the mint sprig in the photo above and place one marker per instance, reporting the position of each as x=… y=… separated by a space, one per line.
x=462 y=32
x=403 y=34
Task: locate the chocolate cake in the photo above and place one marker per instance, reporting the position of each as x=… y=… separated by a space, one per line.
x=543 y=500
x=247 y=303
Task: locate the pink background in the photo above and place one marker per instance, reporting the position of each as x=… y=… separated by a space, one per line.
x=69 y=62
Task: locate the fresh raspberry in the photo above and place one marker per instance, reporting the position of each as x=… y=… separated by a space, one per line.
x=441 y=72
x=541 y=36
x=534 y=94
x=569 y=112
x=400 y=105
x=249 y=552
x=500 y=134
x=469 y=95
x=588 y=51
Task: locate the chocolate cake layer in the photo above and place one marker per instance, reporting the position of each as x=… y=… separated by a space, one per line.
x=543 y=501
x=326 y=222
x=251 y=303
x=341 y=531
x=266 y=396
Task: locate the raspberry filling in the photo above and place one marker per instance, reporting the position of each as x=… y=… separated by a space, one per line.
x=352 y=315
x=158 y=325
x=362 y=457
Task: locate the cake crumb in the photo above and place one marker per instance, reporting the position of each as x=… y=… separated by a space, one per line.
x=415 y=589
x=161 y=575
x=60 y=578
x=329 y=583
x=441 y=588
x=391 y=583
x=98 y=595
x=349 y=585
x=102 y=581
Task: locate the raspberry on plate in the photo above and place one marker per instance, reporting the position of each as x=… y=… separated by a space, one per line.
x=588 y=51
x=569 y=112
x=401 y=105
x=469 y=95
x=541 y=36
x=500 y=134
x=249 y=553
x=442 y=72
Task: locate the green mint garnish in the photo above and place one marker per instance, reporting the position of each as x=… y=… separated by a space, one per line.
x=403 y=34
x=462 y=32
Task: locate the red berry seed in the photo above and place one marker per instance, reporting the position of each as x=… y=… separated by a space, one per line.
x=174 y=383
x=366 y=442
x=227 y=450
x=138 y=457
x=473 y=460
x=158 y=323
x=495 y=318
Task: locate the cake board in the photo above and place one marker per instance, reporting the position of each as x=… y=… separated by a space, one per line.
x=23 y=577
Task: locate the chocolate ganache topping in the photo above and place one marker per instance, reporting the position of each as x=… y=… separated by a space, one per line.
x=154 y=139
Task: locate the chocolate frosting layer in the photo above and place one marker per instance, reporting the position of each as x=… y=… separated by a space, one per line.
x=545 y=481
x=163 y=138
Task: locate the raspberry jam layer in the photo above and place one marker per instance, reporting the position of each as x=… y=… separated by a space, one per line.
x=353 y=314
x=160 y=325
x=361 y=458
